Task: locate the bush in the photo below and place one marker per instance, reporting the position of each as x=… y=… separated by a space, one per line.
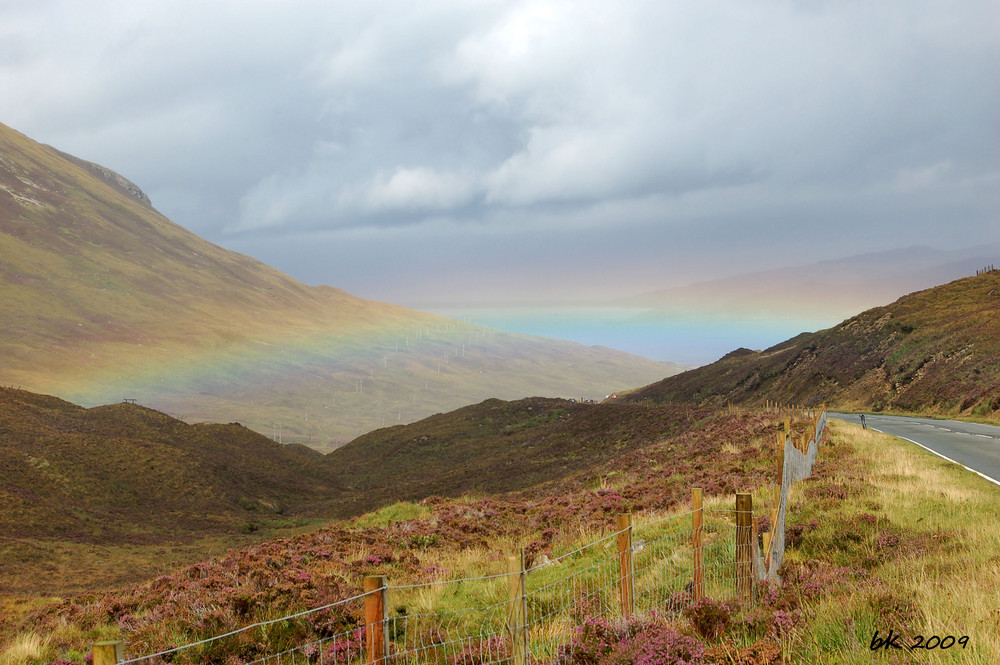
x=658 y=645
x=709 y=618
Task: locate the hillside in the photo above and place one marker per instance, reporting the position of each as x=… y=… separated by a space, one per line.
x=96 y=494
x=417 y=542
x=882 y=534
x=126 y=477
x=496 y=446
x=104 y=299
x=933 y=351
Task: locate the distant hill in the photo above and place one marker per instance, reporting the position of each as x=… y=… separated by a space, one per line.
x=103 y=298
x=831 y=288
x=935 y=351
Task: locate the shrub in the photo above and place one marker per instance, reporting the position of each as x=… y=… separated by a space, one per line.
x=709 y=618
x=658 y=645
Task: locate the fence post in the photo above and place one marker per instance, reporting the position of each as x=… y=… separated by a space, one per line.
x=744 y=549
x=697 y=543
x=517 y=609
x=108 y=652
x=769 y=536
x=625 y=564
x=376 y=614
x=781 y=456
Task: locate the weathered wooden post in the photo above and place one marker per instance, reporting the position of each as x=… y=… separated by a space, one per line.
x=625 y=564
x=781 y=456
x=744 y=547
x=769 y=536
x=517 y=609
x=697 y=545
x=376 y=615
x=108 y=652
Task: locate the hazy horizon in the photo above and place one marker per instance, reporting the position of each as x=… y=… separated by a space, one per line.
x=487 y=155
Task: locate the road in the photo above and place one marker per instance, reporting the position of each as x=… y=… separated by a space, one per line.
x=974 y=446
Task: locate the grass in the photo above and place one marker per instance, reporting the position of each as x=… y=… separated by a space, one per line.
x=930 y=560
x=397 y=512
x=26 y=648
x=882 y=536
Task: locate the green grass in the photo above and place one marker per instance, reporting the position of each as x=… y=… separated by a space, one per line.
x=397 y=512
x=883 y=536
x=929 y=561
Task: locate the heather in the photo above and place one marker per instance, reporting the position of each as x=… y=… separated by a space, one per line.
x=436 y=538
x=933 y=352
x=880 y=537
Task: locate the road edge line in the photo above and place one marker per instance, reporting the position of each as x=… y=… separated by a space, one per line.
x=978 y=473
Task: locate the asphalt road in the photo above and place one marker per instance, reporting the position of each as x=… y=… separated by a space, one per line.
x=974 y=446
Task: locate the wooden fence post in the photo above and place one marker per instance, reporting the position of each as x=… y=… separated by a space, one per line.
x=625 y=564
x=769 y=536
x=376 y=614
x=781 y=456
x=697 y=544
x=108 y=652
x=744 y=547
x=517 y=609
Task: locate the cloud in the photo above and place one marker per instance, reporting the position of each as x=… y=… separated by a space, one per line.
x=418 y=189
x=541 y=104
x=638 y=137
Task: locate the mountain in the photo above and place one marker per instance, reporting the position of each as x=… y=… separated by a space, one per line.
x=141 y=471
x=103 y=298
x=933 y=351
x=831 y=288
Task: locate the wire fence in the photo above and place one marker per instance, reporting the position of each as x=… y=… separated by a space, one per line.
x=531 y=614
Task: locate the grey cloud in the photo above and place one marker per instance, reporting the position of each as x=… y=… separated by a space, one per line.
x=552 y=139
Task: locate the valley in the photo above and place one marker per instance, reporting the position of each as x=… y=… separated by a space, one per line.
x=195 y=444
x=105 y=299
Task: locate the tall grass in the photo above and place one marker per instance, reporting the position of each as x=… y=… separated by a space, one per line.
x=24 y=649
x=929 y=564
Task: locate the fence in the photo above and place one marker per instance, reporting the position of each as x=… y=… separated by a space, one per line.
x=528 y=614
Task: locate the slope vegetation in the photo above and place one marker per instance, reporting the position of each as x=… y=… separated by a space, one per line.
x=97 y=494
x=933 y=351
x=141 y=472
x=93 y=496
x=104 y=298
x=496 y=446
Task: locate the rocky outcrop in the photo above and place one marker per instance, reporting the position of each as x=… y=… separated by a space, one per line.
x=116 y=180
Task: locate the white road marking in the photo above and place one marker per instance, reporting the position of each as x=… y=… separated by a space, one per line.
x=978 y=473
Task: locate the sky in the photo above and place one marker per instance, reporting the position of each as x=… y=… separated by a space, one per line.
x=490 y=156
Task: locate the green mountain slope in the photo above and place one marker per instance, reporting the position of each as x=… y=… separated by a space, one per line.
x=935 y=351
x=104 y=298
x=495 y=446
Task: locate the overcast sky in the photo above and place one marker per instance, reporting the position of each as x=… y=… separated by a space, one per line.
x=441 y=153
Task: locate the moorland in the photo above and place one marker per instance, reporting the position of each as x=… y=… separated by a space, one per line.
x=121 y=521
